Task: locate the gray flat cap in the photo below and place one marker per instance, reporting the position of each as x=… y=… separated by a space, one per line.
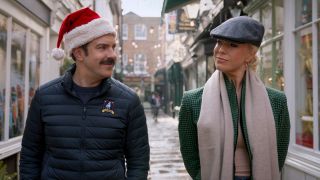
x=241 y=29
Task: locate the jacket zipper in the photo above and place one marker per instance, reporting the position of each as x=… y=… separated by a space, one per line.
x=82 y=146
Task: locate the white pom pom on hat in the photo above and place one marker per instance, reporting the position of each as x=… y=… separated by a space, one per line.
x=57 y=54
x=79 y=28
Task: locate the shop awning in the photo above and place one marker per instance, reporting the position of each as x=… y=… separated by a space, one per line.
x=170 y=5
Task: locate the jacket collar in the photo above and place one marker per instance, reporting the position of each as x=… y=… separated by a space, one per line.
x=67 y=81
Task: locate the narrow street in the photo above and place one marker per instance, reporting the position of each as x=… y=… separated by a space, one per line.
x=165 y=157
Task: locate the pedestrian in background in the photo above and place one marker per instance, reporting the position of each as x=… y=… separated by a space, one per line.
x=155 y=105
x=234 y=127
x=85 y=124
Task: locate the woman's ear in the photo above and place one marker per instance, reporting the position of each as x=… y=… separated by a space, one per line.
x=252 y=52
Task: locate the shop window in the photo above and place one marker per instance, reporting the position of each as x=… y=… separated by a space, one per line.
x=18 y=51
x=265 y=66
x=3 y=48
x=279 y=14
x=277 y=75
x=266 y=19
x=272 y=18
x=304 y=119
x=34 y=65
x=304 y=12
x=270 y=66
x=307 y=77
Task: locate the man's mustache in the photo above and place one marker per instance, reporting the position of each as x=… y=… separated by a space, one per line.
x=108 y=61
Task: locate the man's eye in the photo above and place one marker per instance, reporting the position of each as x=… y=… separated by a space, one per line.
x=233 y=45
x=101 y=47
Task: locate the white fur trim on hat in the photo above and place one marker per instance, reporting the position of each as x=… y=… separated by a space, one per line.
x=57 y=54
x=86 y=33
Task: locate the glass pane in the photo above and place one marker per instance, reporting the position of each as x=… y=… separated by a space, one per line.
x=266 y=20
x=210 y=66
x=266 y=65
x=202 y=73
x=318 y=8
x=303 y=12
x=3 y=49
x=256 y=15
x=319 y=78
x=125 y=31
x=140 y=32
x=18 y=52
x=129 y=67
x=304 y=119
x=34 y=65
x=279 y=17
x=278 y=81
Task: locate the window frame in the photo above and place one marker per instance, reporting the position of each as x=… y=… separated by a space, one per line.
x=137 y=35
x=314 y=25
x=273 y=40
x=304 y=159
x=125 y=62
x=140 y=69
x=125 y=30
x=10 y=146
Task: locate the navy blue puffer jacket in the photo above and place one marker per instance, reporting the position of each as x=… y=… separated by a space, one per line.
x=105 y=138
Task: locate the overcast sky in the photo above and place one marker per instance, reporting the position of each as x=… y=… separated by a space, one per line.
x=144 y=8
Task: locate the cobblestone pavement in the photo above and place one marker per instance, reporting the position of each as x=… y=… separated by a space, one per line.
x=165 y=157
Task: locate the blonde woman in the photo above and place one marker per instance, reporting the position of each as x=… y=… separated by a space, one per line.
x=234 y=127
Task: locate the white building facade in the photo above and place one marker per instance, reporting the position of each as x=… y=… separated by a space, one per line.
x=289 y=61
x=28 y=32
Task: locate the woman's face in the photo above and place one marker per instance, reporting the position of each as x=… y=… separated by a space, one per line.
x=232 y=57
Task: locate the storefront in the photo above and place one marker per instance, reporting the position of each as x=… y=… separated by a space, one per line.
x=289 y=61
x=175 y=86
x=23 y=38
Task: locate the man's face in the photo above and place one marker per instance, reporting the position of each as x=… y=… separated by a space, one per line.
x=100 y=60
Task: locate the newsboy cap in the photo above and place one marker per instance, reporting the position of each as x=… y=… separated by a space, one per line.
x=242 y=29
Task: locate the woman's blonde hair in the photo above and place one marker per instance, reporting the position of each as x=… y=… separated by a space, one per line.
x=254 y=61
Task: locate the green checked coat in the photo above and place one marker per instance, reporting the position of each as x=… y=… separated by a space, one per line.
x=189 y=115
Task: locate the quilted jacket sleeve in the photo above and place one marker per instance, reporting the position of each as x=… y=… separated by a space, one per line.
x=283 y=132
x=32 y=143
x=137 y=144
x=282 y=121
x=189 y=138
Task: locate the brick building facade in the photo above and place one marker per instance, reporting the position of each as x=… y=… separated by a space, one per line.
x=142 y=51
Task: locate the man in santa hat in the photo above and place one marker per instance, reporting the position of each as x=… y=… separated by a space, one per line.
x=85 y=124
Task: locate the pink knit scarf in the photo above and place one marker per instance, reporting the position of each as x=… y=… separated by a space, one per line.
x=216 y=131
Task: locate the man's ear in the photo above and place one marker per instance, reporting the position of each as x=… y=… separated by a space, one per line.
x=78 y=53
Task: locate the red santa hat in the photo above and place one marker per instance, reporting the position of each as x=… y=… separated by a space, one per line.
x=79 y=28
